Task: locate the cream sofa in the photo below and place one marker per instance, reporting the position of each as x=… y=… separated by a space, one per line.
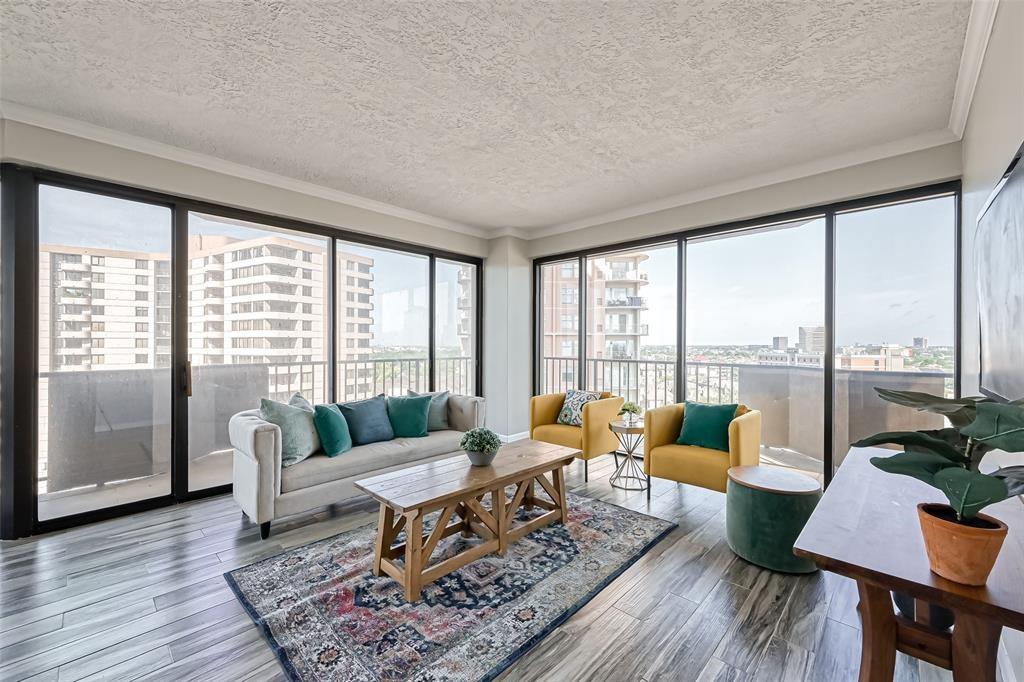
x=265 y=491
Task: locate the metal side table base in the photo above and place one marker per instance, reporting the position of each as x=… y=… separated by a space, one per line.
x=629 y=475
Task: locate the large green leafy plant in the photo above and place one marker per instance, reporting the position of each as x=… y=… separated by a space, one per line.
x=948 y=459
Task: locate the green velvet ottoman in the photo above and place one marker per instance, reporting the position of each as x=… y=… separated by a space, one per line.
x=765 y=510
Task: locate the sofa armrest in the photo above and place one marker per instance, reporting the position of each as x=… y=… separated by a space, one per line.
x=256 y=472
x=466 y=412
x=544 y=409
x=598 y=439
x=745 y=439
x=661 y=427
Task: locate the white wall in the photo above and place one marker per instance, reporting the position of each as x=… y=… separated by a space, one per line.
x=930 y=165
x=995 y=129
x=47 y=148
x=508 y=357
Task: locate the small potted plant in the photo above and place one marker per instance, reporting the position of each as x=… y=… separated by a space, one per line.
x=962 y=543
x=480 y=445
x=631 y=411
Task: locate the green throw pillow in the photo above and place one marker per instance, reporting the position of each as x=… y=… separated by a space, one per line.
x=332 y=429
x=298 y=432
x=437 y=416
x=408 y=416
x=707 y=426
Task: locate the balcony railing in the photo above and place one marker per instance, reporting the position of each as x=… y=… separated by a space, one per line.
x=108 y=425
x=789 y=398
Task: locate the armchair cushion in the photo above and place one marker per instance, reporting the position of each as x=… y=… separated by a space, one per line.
x=571 y=413
x=707 y=426
x=560 y=434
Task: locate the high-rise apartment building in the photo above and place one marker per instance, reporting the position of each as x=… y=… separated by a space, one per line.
x=615 y=309
x=812 y=339
x=780 y=342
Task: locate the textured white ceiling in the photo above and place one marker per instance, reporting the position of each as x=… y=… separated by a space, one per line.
x=520 y=114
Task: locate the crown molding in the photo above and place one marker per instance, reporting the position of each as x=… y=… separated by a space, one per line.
x=979 y=29
x=857 y=157
x=19 y=113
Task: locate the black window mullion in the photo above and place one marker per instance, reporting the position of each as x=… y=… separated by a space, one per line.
x=181 y=381
x=432 y=311
x=19 y=241
x=830 y=341
x=331 y=371
x=680 y=387
x=581 y=301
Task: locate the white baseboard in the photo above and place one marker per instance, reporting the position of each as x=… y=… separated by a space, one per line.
x=514 y=436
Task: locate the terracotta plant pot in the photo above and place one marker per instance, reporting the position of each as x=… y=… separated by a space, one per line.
x=956 y=551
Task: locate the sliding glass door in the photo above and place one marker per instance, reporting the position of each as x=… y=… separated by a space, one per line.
x=104 y=383
x=895 y=315
x=755 y=334
x=257 y=328
x=559 y=326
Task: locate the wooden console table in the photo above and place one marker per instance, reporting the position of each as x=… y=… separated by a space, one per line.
x=866 y=528
x=458 y=489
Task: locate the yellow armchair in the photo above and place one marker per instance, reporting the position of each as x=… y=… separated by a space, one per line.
x=592 y=439
x=703 y=467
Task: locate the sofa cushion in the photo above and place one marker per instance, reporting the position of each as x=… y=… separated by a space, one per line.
x=299 y=439
x=559 y=434
x=332 y=429
x=365 y=460
x=707 y=426
x=367 y=420
x=571 y=413
x=408 y=415
x=437 y=416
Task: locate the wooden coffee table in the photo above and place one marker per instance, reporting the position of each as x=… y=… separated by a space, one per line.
x=458 y=489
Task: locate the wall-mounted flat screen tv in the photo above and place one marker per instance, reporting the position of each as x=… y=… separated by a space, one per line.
x=999 y=264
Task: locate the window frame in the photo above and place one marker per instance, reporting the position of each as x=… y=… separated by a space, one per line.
x=19 y=227
x=682 y=237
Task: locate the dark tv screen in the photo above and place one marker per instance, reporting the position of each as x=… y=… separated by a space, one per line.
x=999 y=264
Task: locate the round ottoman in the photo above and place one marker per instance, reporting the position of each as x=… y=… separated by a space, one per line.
x=765 y=510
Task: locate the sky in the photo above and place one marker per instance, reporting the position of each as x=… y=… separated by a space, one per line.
x=894 y=270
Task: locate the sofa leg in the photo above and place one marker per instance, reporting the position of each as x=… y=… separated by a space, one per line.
x=264 y=530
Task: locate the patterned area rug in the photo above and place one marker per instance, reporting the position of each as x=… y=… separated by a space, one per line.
x=328 y=618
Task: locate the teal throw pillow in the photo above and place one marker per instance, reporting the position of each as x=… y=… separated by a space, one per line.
x=437 y=415
x=367 y=420
x=707 y=426
x=408 y=415
x=332 y=429
x=298 y=432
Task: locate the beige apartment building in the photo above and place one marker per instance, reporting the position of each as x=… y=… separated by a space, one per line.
x=615 y=314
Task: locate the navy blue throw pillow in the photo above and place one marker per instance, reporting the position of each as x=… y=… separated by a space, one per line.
x=368 y=420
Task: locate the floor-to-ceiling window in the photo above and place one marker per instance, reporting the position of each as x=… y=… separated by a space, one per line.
x=894 y=316
x=153 y=319
x=455 y=326
x=383 y=321
x=559 y=326
x=799 y=316
x=631 y=313
x=257 y=328
x=104 y=389
x=755 y=334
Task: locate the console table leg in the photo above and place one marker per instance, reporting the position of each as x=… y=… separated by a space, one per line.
x=975 y=647
x=878 y=634
x=413 y=555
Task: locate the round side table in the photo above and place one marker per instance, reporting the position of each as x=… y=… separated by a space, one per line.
x=765 y=510
x=629 y=475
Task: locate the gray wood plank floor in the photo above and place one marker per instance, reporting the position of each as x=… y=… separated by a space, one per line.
x=142 y=598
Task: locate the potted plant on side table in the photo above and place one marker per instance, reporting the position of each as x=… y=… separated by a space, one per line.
x=961 y=542
x=480 y=445
x=631 y=411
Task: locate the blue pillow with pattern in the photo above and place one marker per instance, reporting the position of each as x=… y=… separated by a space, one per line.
x=572 y=409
